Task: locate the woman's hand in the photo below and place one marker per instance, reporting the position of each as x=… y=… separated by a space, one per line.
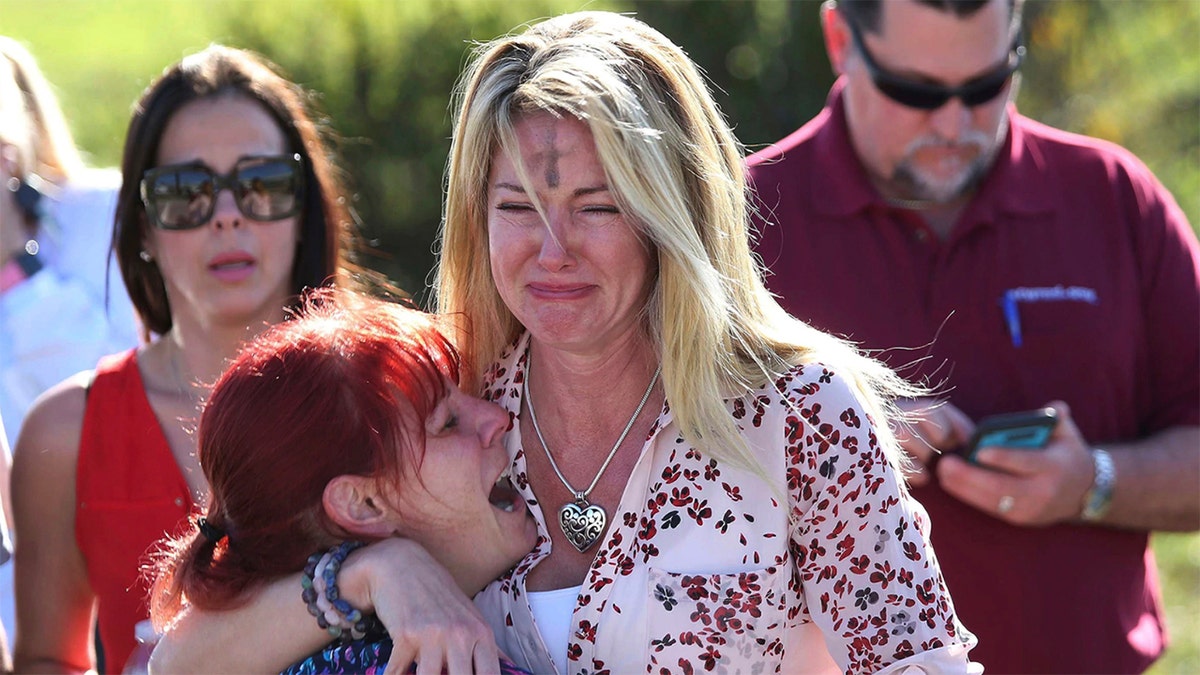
x=431 y=621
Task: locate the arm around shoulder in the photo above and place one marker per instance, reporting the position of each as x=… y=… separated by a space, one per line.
x=54 y=598
x=427 y=615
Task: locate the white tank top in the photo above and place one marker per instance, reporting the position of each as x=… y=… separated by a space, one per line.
x=552 y=611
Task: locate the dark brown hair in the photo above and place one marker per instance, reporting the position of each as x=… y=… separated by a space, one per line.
x=327 y=232
x=866 y=15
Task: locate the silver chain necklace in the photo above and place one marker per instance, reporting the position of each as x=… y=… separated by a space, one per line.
x=910 y=204
x=581 y=521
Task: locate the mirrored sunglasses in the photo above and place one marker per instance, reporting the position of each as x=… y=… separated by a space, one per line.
x=184 y=196
x=929 y=96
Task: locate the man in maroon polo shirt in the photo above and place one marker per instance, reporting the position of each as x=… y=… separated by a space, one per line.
x=1009 y=266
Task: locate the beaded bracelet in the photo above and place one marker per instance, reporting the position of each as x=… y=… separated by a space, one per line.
x=320 y=594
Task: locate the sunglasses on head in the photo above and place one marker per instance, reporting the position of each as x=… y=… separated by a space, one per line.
x=184 y=196
x=928 y=96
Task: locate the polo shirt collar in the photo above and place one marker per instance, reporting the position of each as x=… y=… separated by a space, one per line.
x=841 y=187
x=1013 y=185
x=1017 y=181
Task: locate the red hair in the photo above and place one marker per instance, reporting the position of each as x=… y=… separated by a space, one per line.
x=344 y=388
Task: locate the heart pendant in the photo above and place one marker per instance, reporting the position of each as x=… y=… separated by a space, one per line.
x=583 y=523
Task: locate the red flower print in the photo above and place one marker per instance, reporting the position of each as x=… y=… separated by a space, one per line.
x=925 y=593
x=739 y=408
x=649 y=551
x=681 y=496
x=648 y=529
x=903 y=650
x=850 y=418
x=733 y=491
x=711 y=472
x=883 y=574
x=695 y=586
x=726 y=619
x=723 y=523
x=929 y=617
x=845 y=547
x=710 y=657
x=911 y=551
x=670 y=474
x=792 y=429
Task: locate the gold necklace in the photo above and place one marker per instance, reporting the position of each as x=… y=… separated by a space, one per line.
x=581 y=521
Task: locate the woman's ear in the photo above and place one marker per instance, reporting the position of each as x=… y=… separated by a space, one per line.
x=356 y=505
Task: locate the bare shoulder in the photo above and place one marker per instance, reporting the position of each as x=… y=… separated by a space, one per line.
x=53 y=426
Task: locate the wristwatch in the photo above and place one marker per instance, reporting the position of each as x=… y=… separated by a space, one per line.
x=1099 y=496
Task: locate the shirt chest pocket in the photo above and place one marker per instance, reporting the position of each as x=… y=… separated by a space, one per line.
x=715 y=622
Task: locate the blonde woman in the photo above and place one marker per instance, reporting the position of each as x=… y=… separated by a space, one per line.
x=61 y=306
x=714 y=482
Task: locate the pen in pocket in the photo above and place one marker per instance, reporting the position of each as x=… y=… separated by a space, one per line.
x=1012 y=316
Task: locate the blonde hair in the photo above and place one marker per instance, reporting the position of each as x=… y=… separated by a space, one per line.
x=677 y=171
x=31 y=119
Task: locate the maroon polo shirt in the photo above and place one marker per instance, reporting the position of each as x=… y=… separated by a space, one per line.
x=1072 y=275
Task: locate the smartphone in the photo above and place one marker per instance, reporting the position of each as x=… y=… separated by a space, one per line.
x=1030 y=429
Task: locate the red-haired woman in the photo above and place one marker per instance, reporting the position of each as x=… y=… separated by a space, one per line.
x=105 y=462
x=345 y=424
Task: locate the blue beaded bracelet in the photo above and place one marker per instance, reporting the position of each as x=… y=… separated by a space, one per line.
x=342 y=621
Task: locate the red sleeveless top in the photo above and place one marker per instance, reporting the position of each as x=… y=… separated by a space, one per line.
x=129 y=493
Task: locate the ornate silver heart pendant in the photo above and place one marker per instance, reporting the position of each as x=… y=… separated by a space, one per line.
x=583 y=523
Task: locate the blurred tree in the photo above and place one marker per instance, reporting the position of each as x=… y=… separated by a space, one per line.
x=766 y=58
x=385 y=70
x=1128 y=72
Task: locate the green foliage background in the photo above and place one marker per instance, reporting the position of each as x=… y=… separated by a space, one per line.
x=1118 y=69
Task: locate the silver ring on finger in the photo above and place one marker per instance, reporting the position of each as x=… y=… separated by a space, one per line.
x=1006 y=504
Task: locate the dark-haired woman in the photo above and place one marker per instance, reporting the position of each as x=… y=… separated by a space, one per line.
x=106 y=462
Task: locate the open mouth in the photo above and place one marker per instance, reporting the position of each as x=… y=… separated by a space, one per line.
x=233 y=265
x=504 y=496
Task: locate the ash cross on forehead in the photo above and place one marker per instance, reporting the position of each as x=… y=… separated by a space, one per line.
x=552 y=155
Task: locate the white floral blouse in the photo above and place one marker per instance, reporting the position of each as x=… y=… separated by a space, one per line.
x=703 y=569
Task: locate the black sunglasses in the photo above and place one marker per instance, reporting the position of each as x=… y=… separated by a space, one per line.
x=927 y=96
x=184 y=196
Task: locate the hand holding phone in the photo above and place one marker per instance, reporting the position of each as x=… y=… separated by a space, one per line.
x=1029 y=429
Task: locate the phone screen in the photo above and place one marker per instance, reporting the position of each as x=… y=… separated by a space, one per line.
x=1031 y=429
